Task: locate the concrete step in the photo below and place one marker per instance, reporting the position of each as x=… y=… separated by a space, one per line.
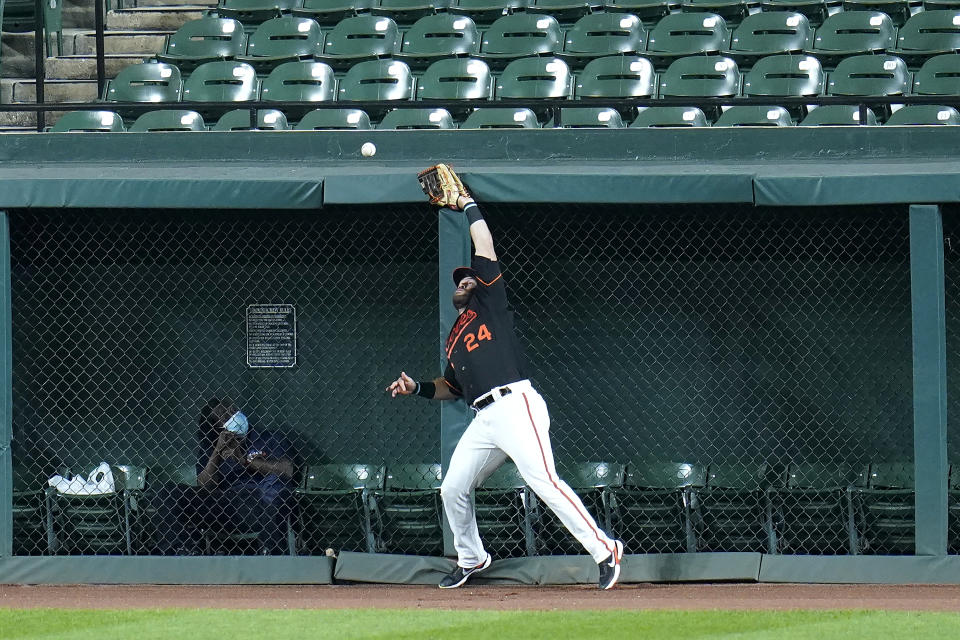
x=25 y=121
x=85 y=67
x=54 y=91
x=119 y=42
x=78 y=14
x=153 y=18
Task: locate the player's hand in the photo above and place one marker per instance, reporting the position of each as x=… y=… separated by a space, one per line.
x=404 y=386
x=225 y=442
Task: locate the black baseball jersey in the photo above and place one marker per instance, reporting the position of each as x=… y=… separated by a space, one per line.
x=482 y=349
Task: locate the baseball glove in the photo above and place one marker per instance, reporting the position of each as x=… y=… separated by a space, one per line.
x=442 y=186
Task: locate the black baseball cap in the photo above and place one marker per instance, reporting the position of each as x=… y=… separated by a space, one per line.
x=462 y=272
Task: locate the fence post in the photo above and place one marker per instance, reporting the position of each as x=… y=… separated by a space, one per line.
x=6 y=392
x=929 y=379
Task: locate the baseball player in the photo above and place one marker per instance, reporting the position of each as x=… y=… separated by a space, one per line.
x=510 y=417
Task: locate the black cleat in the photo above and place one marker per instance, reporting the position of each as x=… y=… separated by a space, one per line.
x=610 y=568
x=461 y=575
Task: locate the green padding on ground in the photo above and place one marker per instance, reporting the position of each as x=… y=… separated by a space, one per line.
x=861 y=569
x=216 y=186
x=391 y=569
x=166 y=570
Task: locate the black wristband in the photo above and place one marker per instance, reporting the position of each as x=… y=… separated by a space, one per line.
x=426 y=389
x=472 y=212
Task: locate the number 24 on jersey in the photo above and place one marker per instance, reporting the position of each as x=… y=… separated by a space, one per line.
x=472 y=341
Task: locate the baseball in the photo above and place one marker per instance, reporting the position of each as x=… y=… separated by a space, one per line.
x=368 y=149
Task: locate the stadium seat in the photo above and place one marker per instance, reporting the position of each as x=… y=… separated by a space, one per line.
x=377 y=80
x=486 y=12
x=20 y=16
x=204 y=40
x=603 y=34
x=565 y=11
x=852 y=33
x=651 y=10
x=253 y=12
x=754 y=116
x=221 y=82
x=816 y=11
x=407 y=12
x=816 y=509
x=88 y=122
x=591 y=482
x=101 y=523
x=444 y=35
x=933 y=5
x=589 y=118
x=769 y=33
x=684 y=34
x=939 y=76
x=535 y=78
x=733 y=11
x=617 y=77
x=927 y=34
x=429 y=118
x=360 y=38
x=148 y=82
x=505 y=513
x=330 y=12
x=837 y=115
x=282 y=40
x=670 y=117
x=169 y=120
x=305 y=81
x=885 y=510
x=32 y=514
x=785 y=76
x=735 y=511
x=239 y=120
x=501 y=118
x=651 y=511
x=929 y=114
x=407 y=511
x=876 y=75
x=456 y=79
x=333 y=508
x=518 y=35
x=898 y=10
x=328 y=119
x=701 y=77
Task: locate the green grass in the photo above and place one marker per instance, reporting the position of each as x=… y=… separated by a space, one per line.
x=195 y=624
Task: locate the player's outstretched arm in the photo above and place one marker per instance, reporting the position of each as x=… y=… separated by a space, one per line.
x=407 y=386
x=479 y=231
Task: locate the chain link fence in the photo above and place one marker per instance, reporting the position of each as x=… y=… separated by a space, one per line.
x=951 y=272
x=718 y=378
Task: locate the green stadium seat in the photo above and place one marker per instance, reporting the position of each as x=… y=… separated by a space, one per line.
x=754 y=116
x=898 y=10
x=32 y=514
x=927 y=34
x=330 y=12
x=204 y=40
x=505 y=513
x=334 y=119
x=169 y=120
x=88 y=121
x=670 y=117
x=20 y=16
x=535 y=78
x=282 y=40
x=224 y=81
x=684 y=34
x=333 y=508
x=933 y=5
x=521 y=34
x=407 y=510
x=870 y=75
x=147 y=82
x=770 y=33
x=815 y=10
x=924 y=114
x=361 y=38
x=785 y=76
x=939 y=76
x=651 y=511
x=651 y=10
x=429 y=118
x=837 y=115
x=701 y=77
x=444 y=35
x=456 y=79
x=817 y=510
x=885 y=510
x=565 y=11
x=407 y=12
x=486 y=12
x=733 y=11
x=617 y=77
x=253 y=12
x=604 y=34
x=852 y=33
x=377 y=80
x=239 y=120
x=591 y=481
x=304 y=81
x=590 y=118
x=735 y=510
x=501 y=118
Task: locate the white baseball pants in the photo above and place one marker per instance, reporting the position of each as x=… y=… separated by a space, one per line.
x=518 y=426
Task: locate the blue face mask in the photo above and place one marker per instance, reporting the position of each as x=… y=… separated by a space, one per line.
x=237 y=424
